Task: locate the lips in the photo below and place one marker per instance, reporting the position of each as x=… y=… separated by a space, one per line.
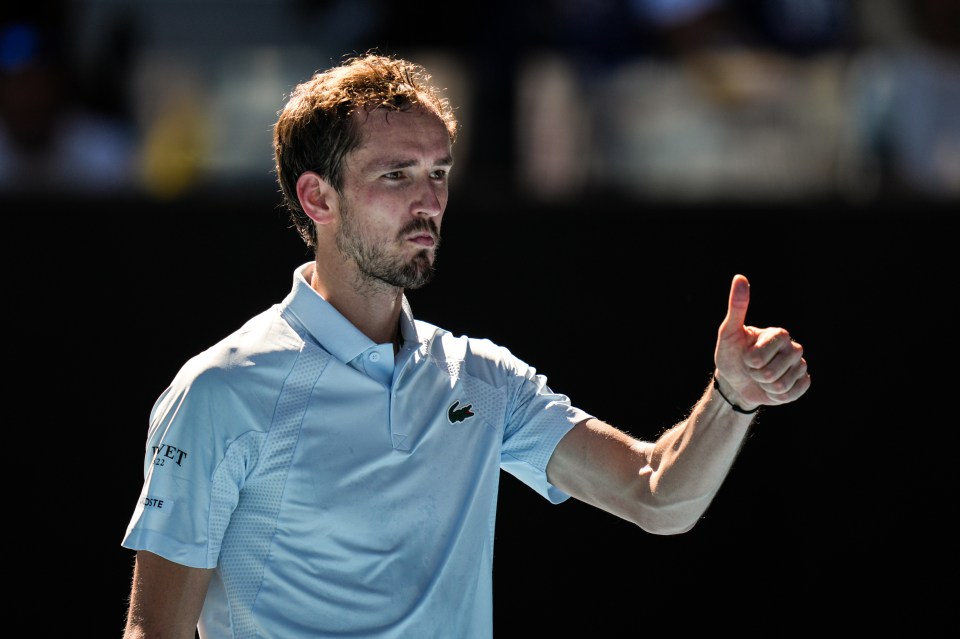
x=423 y=239
x=422 y=233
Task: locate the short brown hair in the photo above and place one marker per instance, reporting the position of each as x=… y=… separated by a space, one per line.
x=315 y=129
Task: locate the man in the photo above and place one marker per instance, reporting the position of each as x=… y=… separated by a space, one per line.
x=332 y=468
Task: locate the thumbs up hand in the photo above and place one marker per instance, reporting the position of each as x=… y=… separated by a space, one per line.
x=756 y=366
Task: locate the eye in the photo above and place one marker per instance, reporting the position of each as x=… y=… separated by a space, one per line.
x=393 y=175
x=439 y=174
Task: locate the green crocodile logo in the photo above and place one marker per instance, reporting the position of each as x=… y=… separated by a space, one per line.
x=455 y=414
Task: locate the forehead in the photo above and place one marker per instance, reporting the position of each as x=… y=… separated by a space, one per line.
x=417 y=134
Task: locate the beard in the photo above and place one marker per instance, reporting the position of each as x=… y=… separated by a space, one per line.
x=377 y=266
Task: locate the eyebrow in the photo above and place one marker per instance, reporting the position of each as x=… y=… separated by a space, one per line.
x=396 y=163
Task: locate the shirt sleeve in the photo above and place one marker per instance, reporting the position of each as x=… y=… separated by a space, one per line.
x=537 y=419
x=193 y=470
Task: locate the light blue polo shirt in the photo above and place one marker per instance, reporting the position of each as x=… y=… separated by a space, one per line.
x=339 y=491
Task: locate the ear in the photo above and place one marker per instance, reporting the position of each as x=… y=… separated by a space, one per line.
x=318 y=199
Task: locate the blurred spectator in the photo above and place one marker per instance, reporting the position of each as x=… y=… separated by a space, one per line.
x=905 y=104
x=49 y=141
x=666 y=99
x=711 y=100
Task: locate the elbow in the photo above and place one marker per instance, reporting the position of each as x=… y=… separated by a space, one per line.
x=670 y=518
x=666 y=525
x=661 y=510
x=668 y=528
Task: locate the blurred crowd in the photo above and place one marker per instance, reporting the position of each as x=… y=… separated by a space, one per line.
x=671 y=100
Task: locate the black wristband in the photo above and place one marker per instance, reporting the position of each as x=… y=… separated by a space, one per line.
x=716 y=386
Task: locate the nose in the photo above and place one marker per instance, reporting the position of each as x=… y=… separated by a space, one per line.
x=432 y=199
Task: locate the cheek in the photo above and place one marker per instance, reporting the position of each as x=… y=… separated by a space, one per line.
x=380 y=204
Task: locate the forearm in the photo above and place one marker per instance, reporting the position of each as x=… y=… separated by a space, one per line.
x=690 y=461
x=663 y=486
x=165 y=598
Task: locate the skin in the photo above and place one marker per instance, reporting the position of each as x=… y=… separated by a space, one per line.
x=381 y=236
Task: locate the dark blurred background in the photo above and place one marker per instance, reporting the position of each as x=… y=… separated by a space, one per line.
x=619 y=162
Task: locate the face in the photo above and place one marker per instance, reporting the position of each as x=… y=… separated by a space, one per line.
x=394 y=195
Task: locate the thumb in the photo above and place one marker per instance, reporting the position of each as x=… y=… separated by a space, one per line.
x=737 y=305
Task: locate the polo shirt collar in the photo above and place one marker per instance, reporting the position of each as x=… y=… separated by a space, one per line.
x=327 y=326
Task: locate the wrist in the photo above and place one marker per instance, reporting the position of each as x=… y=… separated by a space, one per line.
x=726 y=397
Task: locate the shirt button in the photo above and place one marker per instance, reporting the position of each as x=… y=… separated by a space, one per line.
x=374 y=356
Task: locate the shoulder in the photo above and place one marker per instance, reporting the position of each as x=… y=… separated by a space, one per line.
x=263 y=349
x=481 y=357
x=231 y=388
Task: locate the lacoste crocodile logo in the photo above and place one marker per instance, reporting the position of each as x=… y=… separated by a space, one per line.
x=455 y=414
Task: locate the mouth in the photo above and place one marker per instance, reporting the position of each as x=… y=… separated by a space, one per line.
x=424 y=234
x=425 y=240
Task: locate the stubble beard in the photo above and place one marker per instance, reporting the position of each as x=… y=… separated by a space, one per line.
x=377 y=268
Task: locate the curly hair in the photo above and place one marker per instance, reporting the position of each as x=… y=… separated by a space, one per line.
x=315 y=129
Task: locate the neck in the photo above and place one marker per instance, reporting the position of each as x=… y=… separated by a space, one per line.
x=375 y=311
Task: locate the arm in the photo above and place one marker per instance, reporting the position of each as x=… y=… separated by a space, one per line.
x=665 y=486
x=165 y=599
